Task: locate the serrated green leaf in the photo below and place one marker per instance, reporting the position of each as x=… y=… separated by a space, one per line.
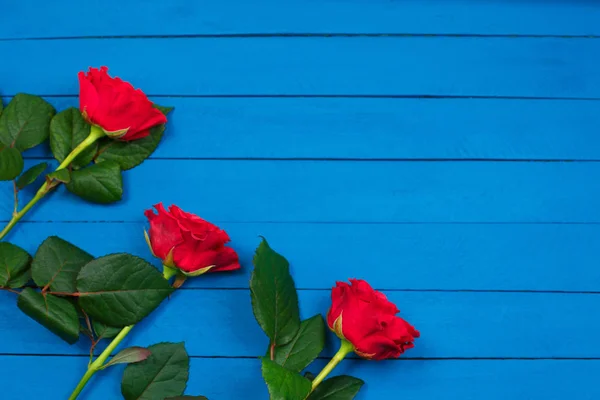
x=25 y=122
x=99 y=183
x=61 y=176
x=163 y=374
x=11 y=163
x=67 y=130
x=120 y=289
x=103 y=331
x=129 y=355
x=304 y=347
x=57 y=314
x=284 y=384
x=130 y=154
x=57 y=263
x=14 y=266
x=31 y=175
x=341 y=387
x=274 y=296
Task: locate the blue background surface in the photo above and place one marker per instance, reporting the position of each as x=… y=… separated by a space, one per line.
x=446 y=151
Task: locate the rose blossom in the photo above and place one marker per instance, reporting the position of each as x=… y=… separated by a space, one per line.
x=189 y=243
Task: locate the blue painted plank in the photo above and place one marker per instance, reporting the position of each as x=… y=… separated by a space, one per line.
x=452 y=324
x=376 y=128
x=449 y=66
x=181 y=17
x=410 y=380
x=343 y=191
x=545 y=257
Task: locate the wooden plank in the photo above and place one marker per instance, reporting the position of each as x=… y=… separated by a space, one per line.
x=448 y=66
x=376 y=128
x=410 y=380
x=181 y=17
x=343 y=191
x=545 y=257
x=447 y=321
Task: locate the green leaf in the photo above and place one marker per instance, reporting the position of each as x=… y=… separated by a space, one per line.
x=99 y=183
x=25 y=122
x=120 y=289
x=67 y=130
x=129 y=355
x=284 y=384
x=14 y=266
x=131 y=154
x=60 y=176
x=274 y=297
x=11 y=163
x=31 y=175
x=341 y=387
x=57 y=314
x=163 y=374
x=104 y=331
x=304 y=347
x=57 y=263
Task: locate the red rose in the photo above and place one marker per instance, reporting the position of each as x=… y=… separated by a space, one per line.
x=123 y=112
x=185 y=241
x=367 y=319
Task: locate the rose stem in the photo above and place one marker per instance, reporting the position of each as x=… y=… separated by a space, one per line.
x=95 y=134
x=345 y=348
x=99 y=362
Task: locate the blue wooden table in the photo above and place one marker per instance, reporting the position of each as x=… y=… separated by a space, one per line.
x=446 y=151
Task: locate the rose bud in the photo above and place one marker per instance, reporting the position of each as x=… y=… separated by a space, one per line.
x=121 y=111
x=189 y=243
x=367 y=319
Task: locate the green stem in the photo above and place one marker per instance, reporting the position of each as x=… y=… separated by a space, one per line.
x=98 y=364
x=95 y=134
x=345 y=348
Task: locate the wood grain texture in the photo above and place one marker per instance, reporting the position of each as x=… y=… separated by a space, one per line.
x=375 y=128
x=434 y=66
x=446 y=151
x=536 y=257
x=183 y=17
x=414 y=380
x=344 y=191
x=505 y=325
